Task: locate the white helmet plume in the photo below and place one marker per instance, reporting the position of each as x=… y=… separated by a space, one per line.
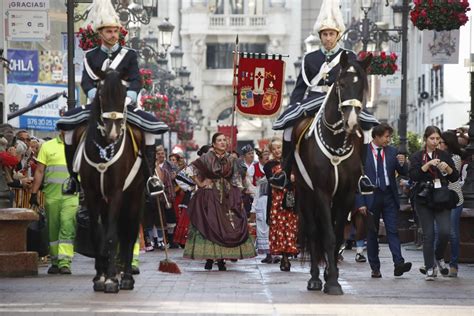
x=102 y=14
x=330 y=18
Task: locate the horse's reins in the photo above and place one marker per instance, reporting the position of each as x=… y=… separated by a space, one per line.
x=335 y=156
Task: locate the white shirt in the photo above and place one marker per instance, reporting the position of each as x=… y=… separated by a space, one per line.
x=374 y=157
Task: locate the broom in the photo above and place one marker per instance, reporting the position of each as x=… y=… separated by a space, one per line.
x=166 y=265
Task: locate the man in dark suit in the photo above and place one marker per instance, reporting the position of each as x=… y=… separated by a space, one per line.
x=382 y=161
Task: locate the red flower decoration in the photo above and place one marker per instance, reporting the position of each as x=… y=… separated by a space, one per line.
x=88 y=38
x=147 y=82
x=380 y=64
x=441 y=15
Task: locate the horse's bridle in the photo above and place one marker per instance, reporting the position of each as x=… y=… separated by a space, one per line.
x=355 y=103
x=112 y=115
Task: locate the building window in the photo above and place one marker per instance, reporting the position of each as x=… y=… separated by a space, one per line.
x=441 y=122
x=436 y=73
x=251 y=7
x=216 y=6
x=441 y=81
x=236 y=6
x=219 y=55
x=431 y=84
x=154 y=11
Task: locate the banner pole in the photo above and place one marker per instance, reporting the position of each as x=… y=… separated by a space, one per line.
x=235 y=90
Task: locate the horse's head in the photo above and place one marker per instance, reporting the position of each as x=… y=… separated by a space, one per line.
x=351 y=87
x=111 y=99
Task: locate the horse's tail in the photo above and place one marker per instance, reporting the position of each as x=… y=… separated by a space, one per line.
x=310 y=235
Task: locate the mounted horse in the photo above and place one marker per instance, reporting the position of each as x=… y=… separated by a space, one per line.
x=328 y=155
x=109 y=162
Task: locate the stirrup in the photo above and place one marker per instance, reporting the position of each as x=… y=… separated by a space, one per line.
x=365 y=186
x=70 y=186
x=154 y=186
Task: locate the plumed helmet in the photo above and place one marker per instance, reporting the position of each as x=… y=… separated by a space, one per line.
x=102 y=14
x=330 y=18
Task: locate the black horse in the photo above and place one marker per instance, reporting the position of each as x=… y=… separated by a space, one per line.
x=328 y=156
x=112 y=181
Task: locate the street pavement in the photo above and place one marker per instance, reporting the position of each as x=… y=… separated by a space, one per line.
x=247 y=288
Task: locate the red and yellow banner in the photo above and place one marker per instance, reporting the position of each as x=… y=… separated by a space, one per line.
x=260 y=86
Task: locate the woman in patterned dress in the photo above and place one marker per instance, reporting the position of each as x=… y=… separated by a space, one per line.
x=283 y=222
x=218 y=222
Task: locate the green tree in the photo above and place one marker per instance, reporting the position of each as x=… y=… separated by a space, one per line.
x=414 y=142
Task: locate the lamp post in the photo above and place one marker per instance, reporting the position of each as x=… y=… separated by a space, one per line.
x=375 y=34
x=468 y=187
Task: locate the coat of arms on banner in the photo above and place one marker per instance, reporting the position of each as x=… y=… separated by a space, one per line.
x=260 y=83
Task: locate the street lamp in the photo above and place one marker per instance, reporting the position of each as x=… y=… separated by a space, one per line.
x=165 y=29
x=289 y=85
x=312 y=43
x=176 y=58
x=373 y=35
x=297 y=65
x=183 y=75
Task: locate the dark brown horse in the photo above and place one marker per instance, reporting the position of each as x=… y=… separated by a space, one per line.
x=329 y=165
x=112 y=182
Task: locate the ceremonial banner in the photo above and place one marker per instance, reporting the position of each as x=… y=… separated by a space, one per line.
x=227 y=131
x=260 y=86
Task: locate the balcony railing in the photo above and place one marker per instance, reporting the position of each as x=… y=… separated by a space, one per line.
x=236 y=20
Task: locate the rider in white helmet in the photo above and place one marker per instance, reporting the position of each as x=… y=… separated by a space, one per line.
x=319 y=70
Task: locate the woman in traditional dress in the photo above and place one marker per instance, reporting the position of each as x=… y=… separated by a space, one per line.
x=218 y=223
x=283 y=221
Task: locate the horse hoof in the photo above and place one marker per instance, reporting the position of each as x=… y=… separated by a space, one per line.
x=315 y=285
x=111 y=286
x=335 y=289
x=127 y=284
x=99 y=284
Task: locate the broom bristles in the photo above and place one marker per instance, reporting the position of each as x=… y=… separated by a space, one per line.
x=168 y=266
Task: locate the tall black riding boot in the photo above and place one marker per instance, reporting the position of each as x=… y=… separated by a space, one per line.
x=153 y=184
x=365 y=186
x=71 y=185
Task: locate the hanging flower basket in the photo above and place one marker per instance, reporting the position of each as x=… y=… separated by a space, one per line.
x=147 y=82
x=186 y=135
x=155 y=103
x=88 y=38
x=167 y=116
x=439 y=15
x=190 y=145
x=381 y=64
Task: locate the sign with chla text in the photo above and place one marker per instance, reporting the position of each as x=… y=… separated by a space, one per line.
x=43 y=118
x=27 y=25
x=23 y=65
x=33 y=5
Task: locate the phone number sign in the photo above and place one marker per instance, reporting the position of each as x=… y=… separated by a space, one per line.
x=38 y=122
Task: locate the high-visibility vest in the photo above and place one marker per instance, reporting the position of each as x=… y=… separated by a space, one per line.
x=53 y=157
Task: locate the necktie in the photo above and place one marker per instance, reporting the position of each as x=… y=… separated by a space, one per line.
x=380 y=170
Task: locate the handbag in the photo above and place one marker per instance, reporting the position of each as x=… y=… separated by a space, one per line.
x=289 y=199
x=83 y=241
x=444 y=198
x=37 y=238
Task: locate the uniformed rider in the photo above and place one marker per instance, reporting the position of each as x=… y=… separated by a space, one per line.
x=110 y=55
x=319 y=70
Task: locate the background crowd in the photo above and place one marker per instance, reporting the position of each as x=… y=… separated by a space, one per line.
x=227 y=205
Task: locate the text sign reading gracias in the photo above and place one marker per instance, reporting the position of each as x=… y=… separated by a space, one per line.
x=28 y=5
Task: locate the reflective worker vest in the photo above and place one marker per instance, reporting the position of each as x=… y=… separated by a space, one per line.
x=53 y=157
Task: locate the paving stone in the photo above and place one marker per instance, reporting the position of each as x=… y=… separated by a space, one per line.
x=247 y=288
